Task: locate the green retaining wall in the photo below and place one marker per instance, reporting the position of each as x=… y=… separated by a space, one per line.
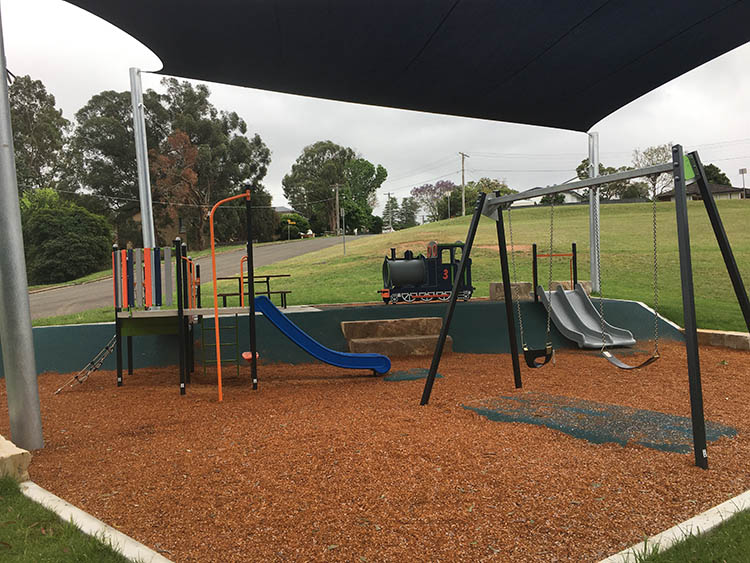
x=478 y=327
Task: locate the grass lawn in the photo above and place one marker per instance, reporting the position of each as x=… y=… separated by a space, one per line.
x=30 y=532
x=728 y=543
x=327 y=276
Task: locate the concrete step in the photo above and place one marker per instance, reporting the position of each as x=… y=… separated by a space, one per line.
x=423 y=345
x=391 y=327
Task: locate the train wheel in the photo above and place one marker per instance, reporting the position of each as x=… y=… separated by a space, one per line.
x=408 y=297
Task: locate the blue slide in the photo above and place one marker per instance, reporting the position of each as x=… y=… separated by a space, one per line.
x=379 y=363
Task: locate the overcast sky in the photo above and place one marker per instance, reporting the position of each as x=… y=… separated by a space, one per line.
x=77 y=55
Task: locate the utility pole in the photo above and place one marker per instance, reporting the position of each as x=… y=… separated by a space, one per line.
x=343 y=230
x=743 y=171
x=464 y=156
x=338 y=220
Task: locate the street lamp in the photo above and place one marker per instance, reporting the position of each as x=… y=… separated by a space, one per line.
x=743 y=171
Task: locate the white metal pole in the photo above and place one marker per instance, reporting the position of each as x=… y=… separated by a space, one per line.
x=594 y=212
x=16 y=336
x=141 y=155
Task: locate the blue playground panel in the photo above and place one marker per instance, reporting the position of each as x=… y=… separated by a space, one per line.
x=599 y=423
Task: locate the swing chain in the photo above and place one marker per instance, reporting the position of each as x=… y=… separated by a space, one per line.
x=551 y=252
x=597 y=245
x=514 y=285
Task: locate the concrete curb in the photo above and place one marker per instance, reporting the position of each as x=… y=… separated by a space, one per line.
x=126 y=545
x=699 y=524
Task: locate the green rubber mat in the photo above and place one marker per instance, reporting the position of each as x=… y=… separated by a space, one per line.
x=409 y=375
x=599 y=423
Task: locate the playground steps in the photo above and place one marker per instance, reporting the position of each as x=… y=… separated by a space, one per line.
x=395 y=337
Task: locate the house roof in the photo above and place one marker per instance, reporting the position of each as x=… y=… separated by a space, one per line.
x=558 y=64
x=692 y=189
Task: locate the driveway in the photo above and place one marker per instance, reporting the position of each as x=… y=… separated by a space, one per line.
x=77 y=298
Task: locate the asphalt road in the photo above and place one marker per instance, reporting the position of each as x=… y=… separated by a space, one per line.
x=77 y=298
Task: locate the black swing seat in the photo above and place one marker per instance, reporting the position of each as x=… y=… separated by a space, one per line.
x=618 y=363
x=532 y=357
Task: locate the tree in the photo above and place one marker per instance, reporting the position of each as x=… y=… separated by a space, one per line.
x=612 y=190
x=357 y=196
x=39 y=130
x=489 y=186
x=287 y=230
x=429 y=195
x=225 y=161
x=406 y=216
x=714 y=175
x=390 y=212
x=63 y=241
x=376 y=225
x=310 y=186
x=650 y=156
x=102 y=156
x=549 y=199
x=262 y=215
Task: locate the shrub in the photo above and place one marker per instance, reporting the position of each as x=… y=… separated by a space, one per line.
x=64 y=243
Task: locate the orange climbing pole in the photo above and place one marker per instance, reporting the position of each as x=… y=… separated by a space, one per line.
x=245 y=195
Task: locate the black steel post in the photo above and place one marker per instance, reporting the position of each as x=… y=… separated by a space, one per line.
x=722 y=239
x=190 y=325
x=688 y=308
x=157 y=300
x=574 y=251
x=130 y=355
x=130 y=278
x=251 y=291
x=198 y=285
x=180 y=312
x=117 y=288
x=454 y=296
x=534 y=268
x=186 y=305
x=508 y=291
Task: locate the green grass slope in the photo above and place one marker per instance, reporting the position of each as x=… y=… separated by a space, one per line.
x=327 y=276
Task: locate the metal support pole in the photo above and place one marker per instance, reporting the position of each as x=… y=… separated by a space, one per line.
x=534 y=267
x=141 y=156
x=722 y=239
x=507 y=290
x=452 y=303
x=688 y=308
x=130 y=355
x=574 y=251
x=251 y=292
x=16 y=336
x=594 y=212
x=180 y=312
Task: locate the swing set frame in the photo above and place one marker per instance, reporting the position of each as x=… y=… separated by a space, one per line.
x=493 y=208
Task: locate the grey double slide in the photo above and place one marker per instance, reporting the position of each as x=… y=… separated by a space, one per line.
x=576 y=317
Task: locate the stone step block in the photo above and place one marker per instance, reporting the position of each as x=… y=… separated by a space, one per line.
x=14 y=462
x=400 y=346
x=391 y=327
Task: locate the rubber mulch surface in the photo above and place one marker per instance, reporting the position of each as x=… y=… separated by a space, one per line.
x=325 y=464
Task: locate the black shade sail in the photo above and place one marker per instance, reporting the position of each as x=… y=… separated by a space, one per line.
x=564 y=64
